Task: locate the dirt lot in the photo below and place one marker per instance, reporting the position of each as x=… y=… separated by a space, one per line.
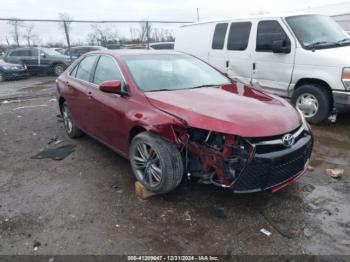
x=86 y=203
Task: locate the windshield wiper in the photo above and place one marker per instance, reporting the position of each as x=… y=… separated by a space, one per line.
x=343 y=41
x=320 y=43
x=163 y=89
x=203 y=86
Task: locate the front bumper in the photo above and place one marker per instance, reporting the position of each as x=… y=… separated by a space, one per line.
x=341 y=100
x=274 y=170
x=12 y=75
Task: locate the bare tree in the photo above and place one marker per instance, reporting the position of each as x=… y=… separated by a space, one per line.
x=29 y=35
x=102 y=36
x=16 y=34
x=144 y=29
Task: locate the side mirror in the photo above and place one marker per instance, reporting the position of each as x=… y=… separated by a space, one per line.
x=112 y=86
x=279 y=46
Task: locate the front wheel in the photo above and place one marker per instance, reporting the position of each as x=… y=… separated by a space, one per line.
x=314 y=101
x=156 y=163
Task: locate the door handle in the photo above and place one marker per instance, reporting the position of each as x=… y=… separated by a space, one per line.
x=227 y=64
x=254 y=66
x=89 y=95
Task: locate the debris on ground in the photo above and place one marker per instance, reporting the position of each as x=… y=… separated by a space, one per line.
x=335 y=172
x=188 y=216
x=308 y=188
x=58 y=153
x=52 y=140
x=28 y=107
x=265 y=231
x=141 y=191
x=36 y=245
x=310 y=168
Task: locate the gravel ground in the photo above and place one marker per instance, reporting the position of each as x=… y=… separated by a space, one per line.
x=86 y=204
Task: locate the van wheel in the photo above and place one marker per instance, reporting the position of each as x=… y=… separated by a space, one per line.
x=314 y=101
x=156 y=163
x=71 y=129
x=58 y=69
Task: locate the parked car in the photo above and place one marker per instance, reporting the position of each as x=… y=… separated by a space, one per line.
x=172 y=114
x=39 y=60
x=78 y=51
x=12 y=71
x=162 y=45
x=301 y=57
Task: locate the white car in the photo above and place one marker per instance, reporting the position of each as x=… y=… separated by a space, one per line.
x=305 y=57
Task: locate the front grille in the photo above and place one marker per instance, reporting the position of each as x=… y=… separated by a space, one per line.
x=271 y=169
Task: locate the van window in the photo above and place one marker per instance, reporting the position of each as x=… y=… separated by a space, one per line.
x=238 y=36
x=219 y=36
x=268 y=32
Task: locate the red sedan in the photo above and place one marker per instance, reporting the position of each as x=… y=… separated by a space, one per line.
x=172 y=115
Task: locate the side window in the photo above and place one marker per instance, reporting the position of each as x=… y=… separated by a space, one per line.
x=84 y=71
x=219 y=36
x=73 y=72
x=14 y=53
x=106 y=70
x=268 y=32
x=239 y=36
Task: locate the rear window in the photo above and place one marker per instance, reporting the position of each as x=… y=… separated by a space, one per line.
x=239 y=36
x=219 y=36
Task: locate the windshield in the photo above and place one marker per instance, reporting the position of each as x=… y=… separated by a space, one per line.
x=317 y=31
x=172 y=72
x=51 y=52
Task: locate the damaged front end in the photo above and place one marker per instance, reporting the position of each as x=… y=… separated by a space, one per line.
x=245 y=165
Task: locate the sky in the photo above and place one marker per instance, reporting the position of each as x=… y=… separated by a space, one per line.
x=137 y=10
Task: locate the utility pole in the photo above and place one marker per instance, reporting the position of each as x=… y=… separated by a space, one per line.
x=67 y=37
x=147 y=33
x=197 y=14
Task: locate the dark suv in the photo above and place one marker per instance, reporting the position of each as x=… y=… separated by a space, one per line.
x=78 y=51
x=39 y=60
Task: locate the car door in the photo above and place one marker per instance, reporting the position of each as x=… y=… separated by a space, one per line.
x=29 y=59
x=79 y=90
x=217 y=54
x=272 y=71
x=109 y=109
x=238 y=54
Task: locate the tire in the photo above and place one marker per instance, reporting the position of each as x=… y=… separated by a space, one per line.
x=58 y=69
x=2 y=78
x=71 y=129
x=156 y=163
x=314 y=101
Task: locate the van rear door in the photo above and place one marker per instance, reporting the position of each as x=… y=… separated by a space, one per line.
x=272 y=68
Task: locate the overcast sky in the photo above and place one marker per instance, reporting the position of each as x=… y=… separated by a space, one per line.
x=139 y=10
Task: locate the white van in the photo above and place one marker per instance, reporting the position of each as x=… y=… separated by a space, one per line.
x=303 y=57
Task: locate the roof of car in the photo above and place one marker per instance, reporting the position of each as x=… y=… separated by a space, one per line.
x=124 y=52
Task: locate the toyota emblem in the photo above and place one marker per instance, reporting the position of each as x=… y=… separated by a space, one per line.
x=288 y=140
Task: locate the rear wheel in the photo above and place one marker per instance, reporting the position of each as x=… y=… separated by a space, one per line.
x=58 y=69
x=71 y=129
x=156 y=163
x=314 y=101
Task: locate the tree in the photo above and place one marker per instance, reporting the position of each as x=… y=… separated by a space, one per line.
x=16 y=34
x=102 y=36
x=29 y=35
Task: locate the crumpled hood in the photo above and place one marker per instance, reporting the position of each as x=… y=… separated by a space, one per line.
x=233 y=109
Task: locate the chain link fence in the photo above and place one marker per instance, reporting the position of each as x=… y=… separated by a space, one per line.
x=66 y=33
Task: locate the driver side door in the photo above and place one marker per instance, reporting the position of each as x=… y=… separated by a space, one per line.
x=108 y=109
